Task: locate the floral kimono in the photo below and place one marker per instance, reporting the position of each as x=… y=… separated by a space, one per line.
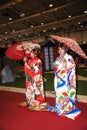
x=65 y=87
x=34 y=82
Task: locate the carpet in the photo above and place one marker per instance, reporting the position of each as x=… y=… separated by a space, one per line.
x=12 y=117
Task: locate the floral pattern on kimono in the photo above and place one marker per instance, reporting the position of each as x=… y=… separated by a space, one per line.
x=34 y=82
x=65 y=85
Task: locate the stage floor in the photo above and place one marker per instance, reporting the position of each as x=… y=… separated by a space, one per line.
x=13 y=117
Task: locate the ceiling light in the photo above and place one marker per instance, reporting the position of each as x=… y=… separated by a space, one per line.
x=54 y=28
x=42 y=23
x=5 y=38
x=69 y=16
x=44 y=30
x=5 y=32
x=22 y=14
x=10 y=19
x=85 y=12
x=26 y=34
x=81 y=26
x=32 y=26
x=79 y=22
x=19 y=35
x=13 y=30
x=50 y=5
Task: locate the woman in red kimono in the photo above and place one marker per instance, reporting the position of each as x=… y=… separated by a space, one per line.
x=35 y=98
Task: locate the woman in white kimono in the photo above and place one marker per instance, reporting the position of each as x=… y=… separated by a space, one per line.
x=65 y=85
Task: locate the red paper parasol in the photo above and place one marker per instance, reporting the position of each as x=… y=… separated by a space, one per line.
x=72 y=44
x=20 y=50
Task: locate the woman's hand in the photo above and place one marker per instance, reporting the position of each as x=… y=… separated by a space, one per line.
x=25 y=59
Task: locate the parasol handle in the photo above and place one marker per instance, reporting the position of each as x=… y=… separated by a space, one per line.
x=25 y=59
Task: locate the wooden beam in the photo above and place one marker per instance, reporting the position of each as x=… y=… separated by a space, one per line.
x=41 y=27
x=9 y=4
x=40 y=14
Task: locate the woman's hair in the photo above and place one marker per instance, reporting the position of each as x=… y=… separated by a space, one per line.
x=63 y=46
x=36 y=51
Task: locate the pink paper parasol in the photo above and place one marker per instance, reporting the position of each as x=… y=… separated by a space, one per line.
x=72 y=44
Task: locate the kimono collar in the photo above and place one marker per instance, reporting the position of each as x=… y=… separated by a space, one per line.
x=66 y=55
x=63 y=56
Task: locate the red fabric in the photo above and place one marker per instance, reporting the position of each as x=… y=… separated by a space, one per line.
x=12 y=117
x=17 y=51
x=40 y=98
x=32 y=72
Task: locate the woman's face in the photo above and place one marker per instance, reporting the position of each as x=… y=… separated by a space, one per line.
x=61 y=51
x=32 y=54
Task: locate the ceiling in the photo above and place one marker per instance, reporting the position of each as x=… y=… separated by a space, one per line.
x=22 y=20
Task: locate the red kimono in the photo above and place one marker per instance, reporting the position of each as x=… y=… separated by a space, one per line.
x=34 y=82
